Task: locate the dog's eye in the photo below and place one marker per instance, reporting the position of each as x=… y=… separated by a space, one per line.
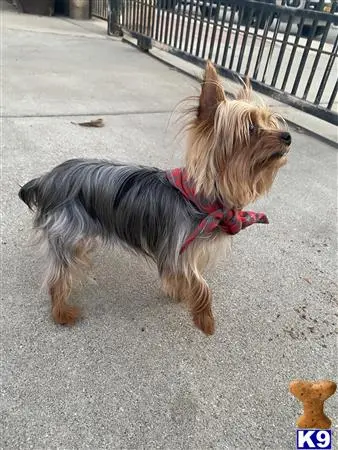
x=251 y=128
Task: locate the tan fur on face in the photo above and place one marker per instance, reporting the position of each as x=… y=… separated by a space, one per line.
x=226 y=159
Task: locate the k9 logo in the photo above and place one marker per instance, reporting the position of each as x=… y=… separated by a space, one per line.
x=314 y=439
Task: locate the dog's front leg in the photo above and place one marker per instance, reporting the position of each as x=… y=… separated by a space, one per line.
x=199 y=298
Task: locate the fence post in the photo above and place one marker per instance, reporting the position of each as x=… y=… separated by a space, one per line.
x=79 y=9
x=114 y=22
x=144 y=26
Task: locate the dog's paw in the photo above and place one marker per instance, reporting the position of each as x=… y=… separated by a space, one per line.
x=205 y=322
x=65 y=315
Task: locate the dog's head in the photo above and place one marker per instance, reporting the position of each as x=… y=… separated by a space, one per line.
x=235 y=147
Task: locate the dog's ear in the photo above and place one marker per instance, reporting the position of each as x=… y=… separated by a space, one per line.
x=245 y=92
x=211 y=95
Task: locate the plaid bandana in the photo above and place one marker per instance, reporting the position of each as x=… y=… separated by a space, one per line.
x=230 y=221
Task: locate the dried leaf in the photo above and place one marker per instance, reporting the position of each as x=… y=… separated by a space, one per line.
x=97 y=123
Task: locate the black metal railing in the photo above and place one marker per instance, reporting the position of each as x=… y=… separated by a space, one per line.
x=288 y=52
x=99 y=8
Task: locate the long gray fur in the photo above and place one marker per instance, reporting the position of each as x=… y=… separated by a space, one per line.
x=131 y=205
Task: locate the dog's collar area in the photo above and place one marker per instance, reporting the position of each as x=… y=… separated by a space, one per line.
x=229 y=221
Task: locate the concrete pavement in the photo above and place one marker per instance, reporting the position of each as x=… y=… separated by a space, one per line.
x=134 y=373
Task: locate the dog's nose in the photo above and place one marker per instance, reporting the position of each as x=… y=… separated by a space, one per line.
x=286 y=137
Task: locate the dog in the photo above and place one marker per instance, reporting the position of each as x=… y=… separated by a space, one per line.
x=178 y=218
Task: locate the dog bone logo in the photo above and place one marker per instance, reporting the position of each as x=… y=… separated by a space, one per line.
x=313 y=395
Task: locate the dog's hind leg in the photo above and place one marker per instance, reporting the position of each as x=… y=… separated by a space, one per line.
x=64 y=263
x=59 y=290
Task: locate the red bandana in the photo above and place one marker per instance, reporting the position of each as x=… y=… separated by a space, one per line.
x=230 y=221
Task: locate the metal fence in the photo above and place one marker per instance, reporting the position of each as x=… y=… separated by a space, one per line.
x=288 y=52
x=99 y=8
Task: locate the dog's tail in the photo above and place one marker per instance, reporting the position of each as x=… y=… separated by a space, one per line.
x=28 y=192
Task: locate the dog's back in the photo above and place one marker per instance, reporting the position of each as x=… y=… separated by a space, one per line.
x=66 y=182
x=135 y=205
x=95 y=184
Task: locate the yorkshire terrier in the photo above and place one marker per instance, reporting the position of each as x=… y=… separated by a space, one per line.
x=178 y=218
